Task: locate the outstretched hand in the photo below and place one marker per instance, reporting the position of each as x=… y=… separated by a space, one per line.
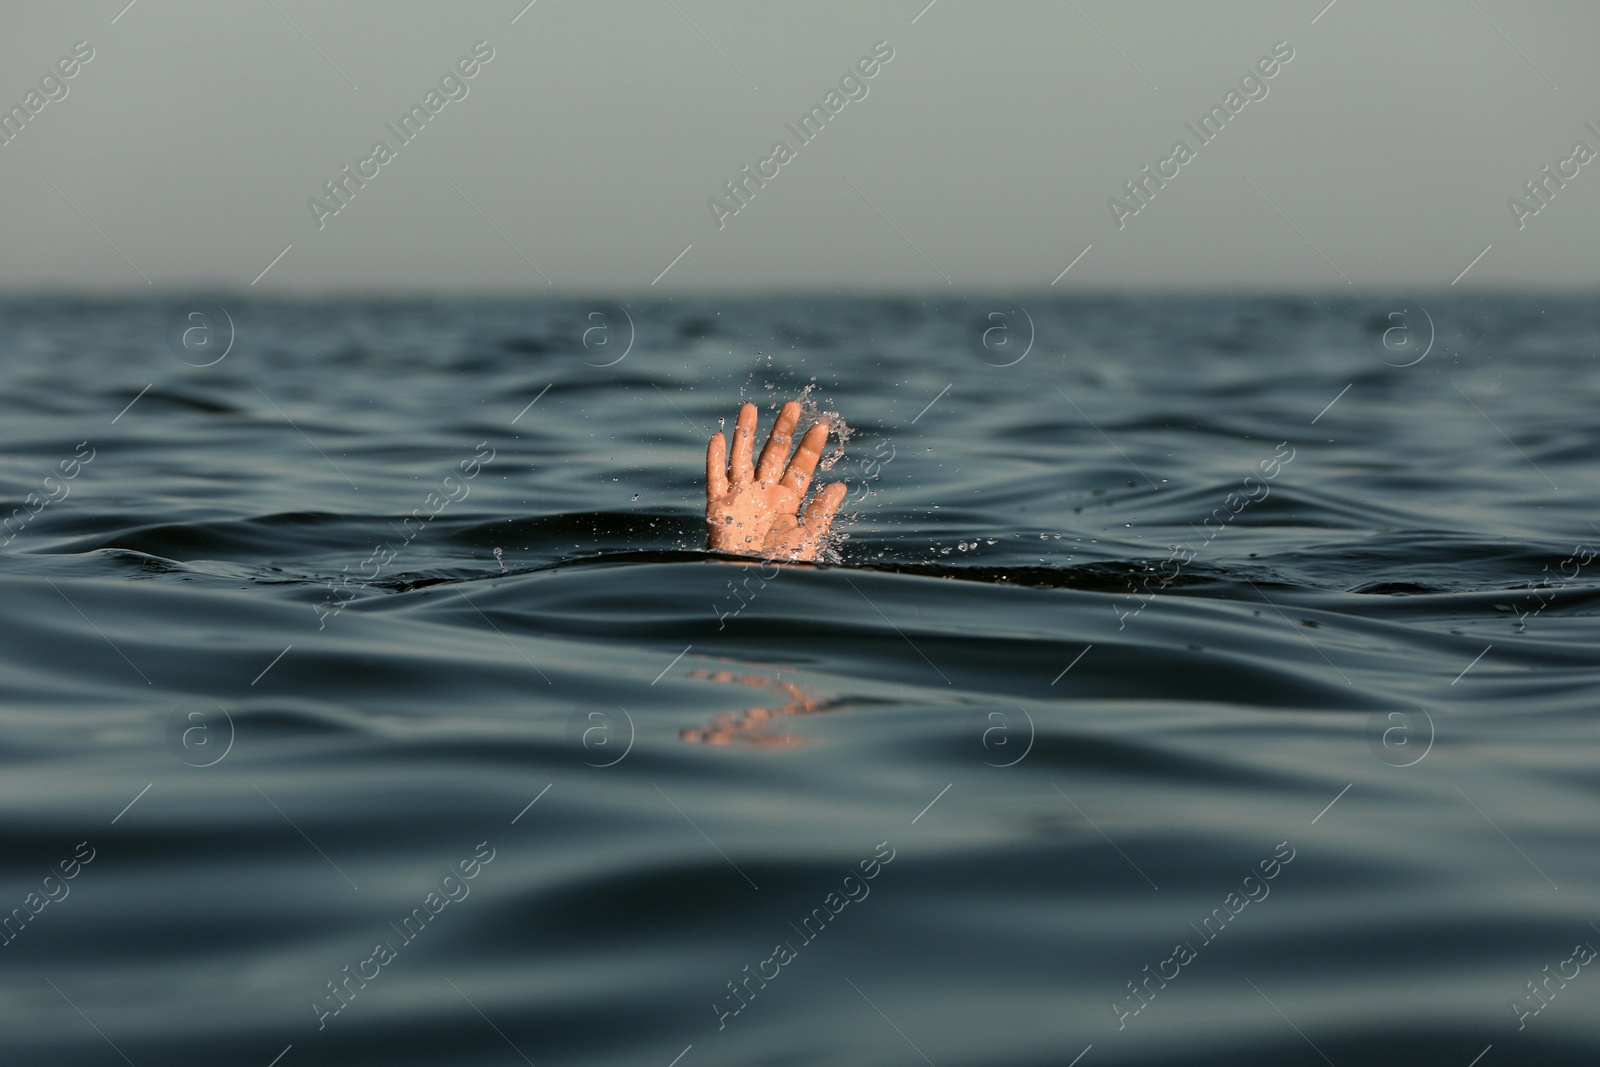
x=755 y=511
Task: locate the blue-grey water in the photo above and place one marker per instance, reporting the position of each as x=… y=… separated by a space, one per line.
x=1196 y=684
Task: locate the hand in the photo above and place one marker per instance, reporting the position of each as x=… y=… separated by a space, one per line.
x=756 y=513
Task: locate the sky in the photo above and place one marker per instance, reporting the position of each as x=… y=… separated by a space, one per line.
x=989 y=149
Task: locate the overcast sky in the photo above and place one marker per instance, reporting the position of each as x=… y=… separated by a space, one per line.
x=983 y=155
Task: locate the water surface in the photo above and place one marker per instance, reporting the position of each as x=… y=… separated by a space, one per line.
x=1196 y=591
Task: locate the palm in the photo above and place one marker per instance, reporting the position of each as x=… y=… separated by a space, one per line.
x=754 y=509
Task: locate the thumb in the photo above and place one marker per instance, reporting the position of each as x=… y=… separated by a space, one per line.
x=823 y=507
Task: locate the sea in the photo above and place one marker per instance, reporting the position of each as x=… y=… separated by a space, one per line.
x=1190 y=679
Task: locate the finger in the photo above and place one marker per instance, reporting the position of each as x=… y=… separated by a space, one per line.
x=744 y=434
x=822 y=509
x=716 y=467
x=776 y=453
x=805 y=458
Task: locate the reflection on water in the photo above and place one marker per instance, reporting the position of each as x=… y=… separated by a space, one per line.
x=756 y=725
